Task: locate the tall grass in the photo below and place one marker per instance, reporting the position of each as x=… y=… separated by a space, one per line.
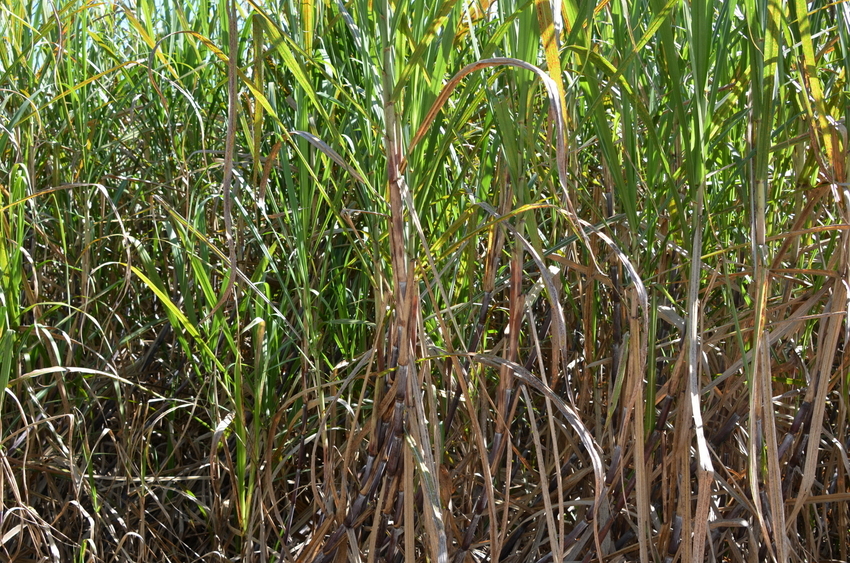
x=455 y=281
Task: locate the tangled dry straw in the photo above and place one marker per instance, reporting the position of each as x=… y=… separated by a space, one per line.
x=369 y=280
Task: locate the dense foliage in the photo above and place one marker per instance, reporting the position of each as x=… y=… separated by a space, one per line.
x=380 y=280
